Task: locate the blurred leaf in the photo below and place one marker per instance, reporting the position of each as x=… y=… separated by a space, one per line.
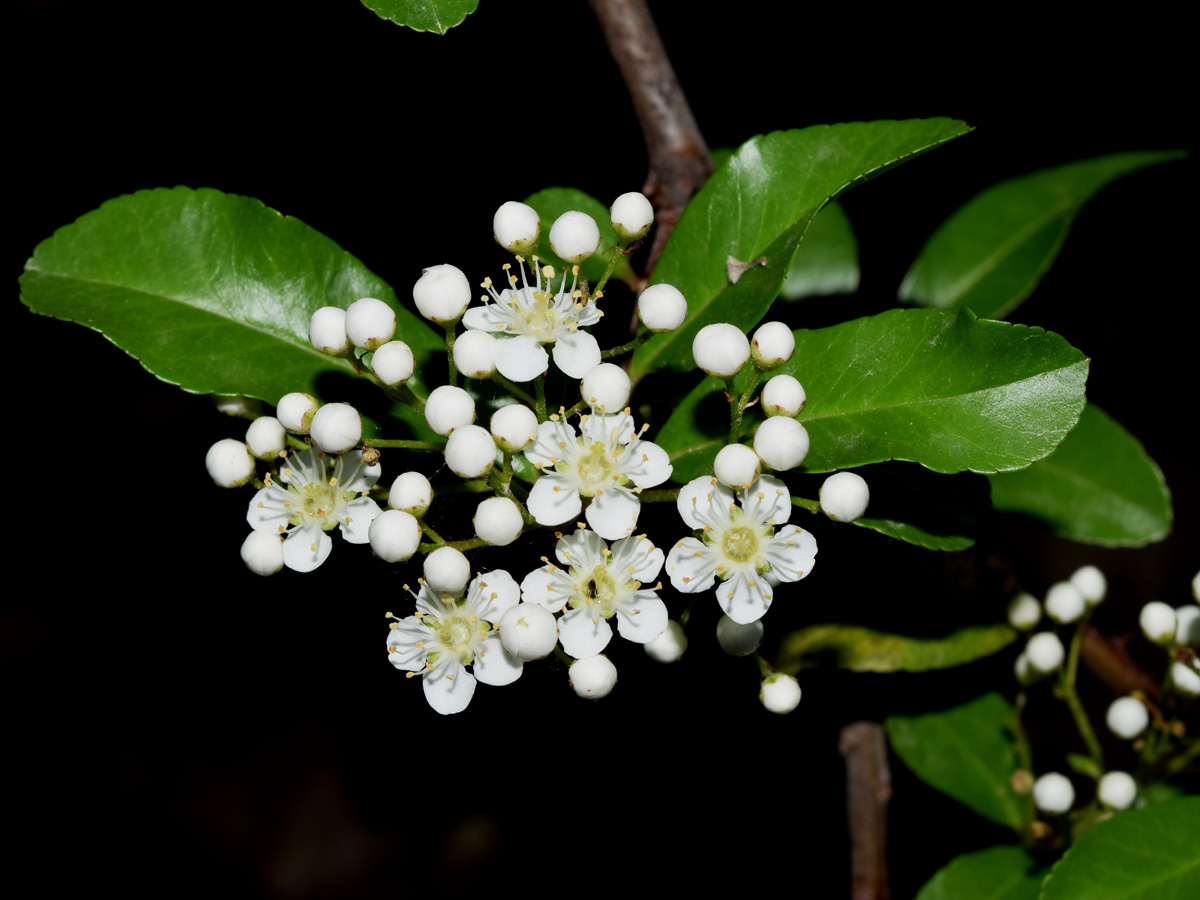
x=552 y=203
x=998 y=873
x=1100 y=487
x=1084 y=765
x=912 y=504
x=911 y=534
x=1142 y=854
x=757 y=206
x=826 y=262
x=423 y=15
x=991 y=254
x=967 y=752
x=863 y=650
x=209 y=291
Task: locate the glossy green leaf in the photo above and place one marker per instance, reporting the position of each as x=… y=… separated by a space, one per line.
x=209 y=291
x=1142 y=854
x=863 y=650
x=552 y=203
x=967 y=752
x=423 y=15
x=991 y=254
x=826 y=262
x=997 y=873
x=1100 y=486
x=913 y=534
x=756 y=207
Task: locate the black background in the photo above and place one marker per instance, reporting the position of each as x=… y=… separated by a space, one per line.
x=182 y=728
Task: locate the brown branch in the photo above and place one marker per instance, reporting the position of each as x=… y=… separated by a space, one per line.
x=868 y=788
x=1107 y=660
x=678 y=157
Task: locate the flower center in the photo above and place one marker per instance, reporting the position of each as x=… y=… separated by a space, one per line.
x=740 y=543
x=318 y=500
x=598 y=592
x=455 y=634
x=595 y=469
x=539 y=317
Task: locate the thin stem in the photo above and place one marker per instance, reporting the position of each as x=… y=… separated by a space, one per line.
x=804 y=503
x=612 y=265
x=1183 y=760
x=453 y=373
x=383 y=444
x=472 y=544
x=561 y=655
x=521 y=395
x=868 y=789
x=1071 y=697
x=738 y=405
x=430 y=533
x=539 y=388
x=402 y=393
x=625 y=348
x=659 y=495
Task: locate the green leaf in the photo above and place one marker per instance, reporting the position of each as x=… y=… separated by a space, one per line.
x=1142 y=854
x=1099 y=486
x=423 y=15
x=991 y=254
x=912 y=504
x=552 y=203
x=209 y=291
x=826 y=262
x=967 y=752
x=998 y=873
x=912 y=534
x=757 y=207
x=863 y=650
x=1084 y=765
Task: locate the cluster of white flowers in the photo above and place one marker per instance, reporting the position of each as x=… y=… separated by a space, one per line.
x=1065 y=603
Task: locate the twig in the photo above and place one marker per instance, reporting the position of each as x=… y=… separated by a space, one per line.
x=1108 y=661
x=868 y=788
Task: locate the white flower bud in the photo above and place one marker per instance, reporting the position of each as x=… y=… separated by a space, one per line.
x=475 y=354
x=528 y=631
x=1127 y=717
x=737 y=466
x=720 y=349
x=1053 y=793
x=593 y=677
x=668 y=646
x=1091 y=583
x=336 y=427
x=447 y=408
x=773 y=345
x=498 y=521
x=266 y=437
x=844 y=496
x=327 y=331
x=395 y=535
x=514 y=427
x=447 y=570
x=1158 y=622
x=517 y=227
x=412 y=493
x=370 y=323
x=1064 y=604
x=739 y=640
x=470 y=451
x=393 y=363
x=780 y=693
x=229 y=463
x=605 y=388
x=262 y=552
x=783 y=443
x=1187 y=626
x=237 y=406
x=1196 y=587
x=1045 y=652
x=1117 y=790
x=632 y=216
x=295 y=411
x=662 y=307
x=1024 y=670
x=783 y=395
x=442 y=294
x=1024 y=611
x=574 y=236
x=1186 y=679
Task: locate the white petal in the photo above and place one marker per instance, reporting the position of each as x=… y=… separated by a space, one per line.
x=691 y=567
x=357 y=476
x=642 y=617
x=267 y=512
x=651 y=464
x=449 y=688
x=547 y=587
x=639 y=557
x=494 y=665
x=704 y=500
x=554 y=441
x=744 y=600
x=306 y=548
x=554 y=500
x=607 y=428
x=575 y=353
x=582 y=549
x=792 y=553
x=359 y=515
x=521 y=358
x=403 y=652
x=613 y=512
x=582 y=637
x=766 y=500
x=489 y=317
x=495 y=593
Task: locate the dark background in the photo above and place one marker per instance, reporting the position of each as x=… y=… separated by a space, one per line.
x=180 y=727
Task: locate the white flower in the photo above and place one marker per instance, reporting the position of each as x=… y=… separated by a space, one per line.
x=780 y=693
x=737 y=466
x=1053 y=793
x=262 y=553
x=574 y=236
x=844 y=497
x=514 y=427
x=266 y=437
x=319 y=496
x=1024 y=611
x=661 y=307
x=593 y=678
x=1091 y=583
x=450 y=632
x=598 y=462
x=516 y=227
x=1045 y=652
x=1158 y=622
x=631 y=215
x=336 y=427
x=783 y=395
x=781 y=442
x=327 y=331
x=721 y=349
x=596 y=585
x=230 y=465
x=528 y=317
x=739 y=544
x=1064 y=603
x=442 y=293
x=605 y=388
x=772 y=345
x=395 y=535
x=1117 y=790
x=370 y=323
x=1127 y=717
x=393 y=363
x=498 y=521
x=669 y=646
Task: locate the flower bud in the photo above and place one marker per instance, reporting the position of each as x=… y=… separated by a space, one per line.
x=1187 y=626
x=475 y=354
x=237 y=406
x=668 y=646
x=393 y=363
x=737 y=639
x=528 y=631
x=737 y=466
x=773 y=345
x=327 y=331
x=1091 y=583
x=295 y=411
x=514 y=427
x=720 y=349
x=1024 y=611
x=605 y=388
x=517 y=228
x=1196 y=587
x=593 y=677
x=262 y=552
x=229 y=463
x=442 y=294
x=1186 y=679
x=412 y=493
x=1064 y=604
x=1117 y=790
x=1158 y=622
x=844 y=496
x=395 y=535
x=779 y=693
x=574 y=236
x=447 y=408
x=631 y=215
x=1024 y=671
x=370 y=323
x=1045 y=652
x=336 y=427
x=783 y=395
x=470 y=451
x=497 y=520
x=447 y=570
x=783 y=443
x=1127 y=717
x=1053 y=793
x=661 y=307
x=266 y=437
